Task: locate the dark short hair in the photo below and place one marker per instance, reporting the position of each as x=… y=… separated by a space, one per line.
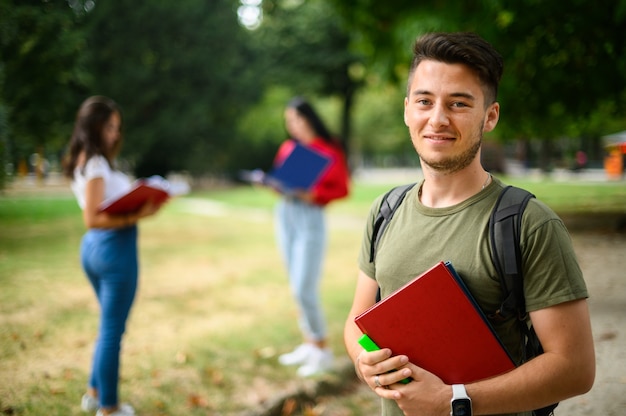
x=461 y=48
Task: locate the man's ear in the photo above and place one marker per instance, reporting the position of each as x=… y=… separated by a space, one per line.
x=406 y=102
x=492 y=117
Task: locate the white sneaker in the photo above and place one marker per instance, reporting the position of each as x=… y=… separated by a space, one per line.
x=124 y=410
x=89 y=403
x=320 y=361
x=298 y=356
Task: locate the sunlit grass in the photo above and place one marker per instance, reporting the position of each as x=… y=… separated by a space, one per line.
x=213 y=310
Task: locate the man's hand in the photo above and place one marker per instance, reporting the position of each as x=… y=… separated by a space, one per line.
x=425 y=395
x=379 y=369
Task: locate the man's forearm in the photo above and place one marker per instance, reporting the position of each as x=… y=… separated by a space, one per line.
x=351 y=335
x=564 y=370
x=538 y=383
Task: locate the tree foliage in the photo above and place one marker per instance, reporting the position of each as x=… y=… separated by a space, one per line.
x=196 y=87
x=307 y=47
x=182 y=73
x=5 y=165
x=565 y=63
x=41 y=73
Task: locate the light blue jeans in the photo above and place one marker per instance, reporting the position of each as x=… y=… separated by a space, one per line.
x=301 y=235
x=109 y=258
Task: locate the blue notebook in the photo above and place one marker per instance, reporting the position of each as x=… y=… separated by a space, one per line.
x=300 y=170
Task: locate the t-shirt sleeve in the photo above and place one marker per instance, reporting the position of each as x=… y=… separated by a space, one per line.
x=96 y=167
x=552 y=274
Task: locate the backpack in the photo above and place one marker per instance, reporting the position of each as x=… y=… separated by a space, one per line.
x=504 y=235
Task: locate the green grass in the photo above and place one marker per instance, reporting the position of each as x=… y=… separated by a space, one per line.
x=213 y=309
x=577 y=197
x=562 y=196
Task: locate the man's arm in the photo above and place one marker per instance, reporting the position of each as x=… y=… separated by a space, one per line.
x=369 y=364
x=364 y=297
x=565 y=369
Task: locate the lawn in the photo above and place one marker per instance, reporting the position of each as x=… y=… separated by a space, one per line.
x=213 y=309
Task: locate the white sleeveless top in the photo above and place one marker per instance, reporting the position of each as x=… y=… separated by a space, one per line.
x=115 y=182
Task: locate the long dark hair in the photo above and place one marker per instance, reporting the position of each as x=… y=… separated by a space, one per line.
x=306 y=110
x=92 y=115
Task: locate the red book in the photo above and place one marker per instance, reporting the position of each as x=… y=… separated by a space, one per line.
x=132 y=201
x=435 y=321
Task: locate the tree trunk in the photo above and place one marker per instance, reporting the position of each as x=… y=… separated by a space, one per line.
x=346 y=120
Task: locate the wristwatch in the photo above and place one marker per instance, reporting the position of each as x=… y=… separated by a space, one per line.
x=461 y=404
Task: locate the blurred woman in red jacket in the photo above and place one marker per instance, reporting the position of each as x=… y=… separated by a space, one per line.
x=301 y=233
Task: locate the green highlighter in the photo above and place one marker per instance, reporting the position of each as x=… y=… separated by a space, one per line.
x=368 y=345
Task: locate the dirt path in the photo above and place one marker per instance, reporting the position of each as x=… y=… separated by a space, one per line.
x=602 y=257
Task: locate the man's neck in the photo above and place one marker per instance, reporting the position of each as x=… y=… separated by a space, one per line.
x=441 y=190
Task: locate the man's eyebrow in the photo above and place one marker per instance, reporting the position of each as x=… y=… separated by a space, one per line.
x=454 y=95
x=463 y=95
x=422 y=92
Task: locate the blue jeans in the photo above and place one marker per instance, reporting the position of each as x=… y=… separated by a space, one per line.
x=109 y=258
x=301 y=235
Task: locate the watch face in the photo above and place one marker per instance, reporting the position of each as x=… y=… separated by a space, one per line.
x=462 y=407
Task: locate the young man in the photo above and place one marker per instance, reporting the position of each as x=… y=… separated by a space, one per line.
x=450 y=103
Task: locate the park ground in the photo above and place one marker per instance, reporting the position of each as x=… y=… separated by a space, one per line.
x=601 y=250
x=602 y=256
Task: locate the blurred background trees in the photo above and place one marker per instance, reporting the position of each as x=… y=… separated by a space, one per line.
x=182 y=71
x=565 y=66
x=42 y=52
x=203 y=84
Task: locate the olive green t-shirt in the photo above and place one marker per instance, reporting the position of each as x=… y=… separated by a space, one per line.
x=419 y=236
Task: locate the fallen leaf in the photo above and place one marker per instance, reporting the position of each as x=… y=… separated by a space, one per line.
x=195 y=401
x=309 y=410
x=289 y=407
x=607 y=336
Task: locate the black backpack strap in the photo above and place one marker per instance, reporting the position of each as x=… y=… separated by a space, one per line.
x=390 y=203
x=505 y=226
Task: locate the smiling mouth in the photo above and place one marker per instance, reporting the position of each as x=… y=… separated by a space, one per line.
x=439 y=138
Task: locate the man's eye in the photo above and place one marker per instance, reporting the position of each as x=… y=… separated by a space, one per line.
x=459 y=104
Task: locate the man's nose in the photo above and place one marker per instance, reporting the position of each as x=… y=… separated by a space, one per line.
x=439 y=116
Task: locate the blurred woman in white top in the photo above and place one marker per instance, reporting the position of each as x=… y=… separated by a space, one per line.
x=109 y=247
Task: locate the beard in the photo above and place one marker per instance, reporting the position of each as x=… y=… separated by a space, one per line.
x=455 y=163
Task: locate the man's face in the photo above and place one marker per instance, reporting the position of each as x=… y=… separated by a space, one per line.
x=446 y=115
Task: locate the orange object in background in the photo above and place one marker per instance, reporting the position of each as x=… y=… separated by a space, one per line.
x=614 y=163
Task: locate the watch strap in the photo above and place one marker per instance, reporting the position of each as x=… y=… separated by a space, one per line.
x=459 y=392
x=461 y=404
